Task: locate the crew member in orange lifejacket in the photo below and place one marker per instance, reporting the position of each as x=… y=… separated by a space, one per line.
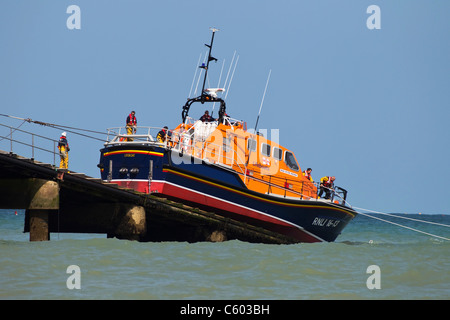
x=326 y=185
x=307 y=174
x=131 y=124
x=64 y=149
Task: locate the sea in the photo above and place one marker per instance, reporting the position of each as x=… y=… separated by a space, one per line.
x=370 y=260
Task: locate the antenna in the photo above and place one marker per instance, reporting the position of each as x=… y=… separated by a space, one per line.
x=231 y=79
x=262 y=101
x=256 y=125
x=229 y=69
x=199 y=76
x=195 y=74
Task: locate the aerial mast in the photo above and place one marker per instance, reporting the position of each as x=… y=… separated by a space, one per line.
x=207 y=95
x=210 y=58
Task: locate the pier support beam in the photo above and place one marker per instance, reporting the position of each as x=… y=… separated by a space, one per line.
x=217 y=236
x=131 y=223
x=34 y=194
x=39 y=228
x=43 y=200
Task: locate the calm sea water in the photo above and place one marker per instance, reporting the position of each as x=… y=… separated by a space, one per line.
x=411 y=265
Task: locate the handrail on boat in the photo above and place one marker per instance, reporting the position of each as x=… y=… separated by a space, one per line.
x=183 y=141
x=188 y=142
x=338 y=194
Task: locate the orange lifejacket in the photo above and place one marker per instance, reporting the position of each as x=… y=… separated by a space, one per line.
x=307 y=175
x=131 y=120
x=63 y=143
x=328 y=183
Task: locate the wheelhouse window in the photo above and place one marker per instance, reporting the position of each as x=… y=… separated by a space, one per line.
x=265 y=149
x=251 y=145
x=226 y=144
x=277 y=153
x=290 y=161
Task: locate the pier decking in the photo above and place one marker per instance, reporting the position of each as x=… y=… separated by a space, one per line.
x=63 y=201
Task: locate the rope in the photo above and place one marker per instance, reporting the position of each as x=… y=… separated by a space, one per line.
x=74 y=132
x=12 y=131
x=407 y=218
x=400 y=225
x=58 y=126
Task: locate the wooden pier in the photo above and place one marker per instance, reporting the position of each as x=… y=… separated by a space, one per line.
x=62 y=201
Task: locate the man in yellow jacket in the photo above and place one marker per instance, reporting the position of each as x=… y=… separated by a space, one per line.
x=307 y=174
x=163 y=134
x=64 y=149
x=326 y=185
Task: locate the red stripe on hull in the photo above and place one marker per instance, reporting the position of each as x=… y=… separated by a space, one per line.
x=141 y=186
x=238 y=212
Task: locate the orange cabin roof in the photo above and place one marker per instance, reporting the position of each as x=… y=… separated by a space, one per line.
x=263 y=165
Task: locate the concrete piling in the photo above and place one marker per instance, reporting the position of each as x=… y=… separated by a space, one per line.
x=39 y=227
x=44 y=200
x=131 y=223
x=40 y=197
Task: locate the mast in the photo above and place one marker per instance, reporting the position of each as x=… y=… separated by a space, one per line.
x=210 y=58
x=205 y=96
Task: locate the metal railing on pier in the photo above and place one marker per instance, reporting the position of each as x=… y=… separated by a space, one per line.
x=30 y=140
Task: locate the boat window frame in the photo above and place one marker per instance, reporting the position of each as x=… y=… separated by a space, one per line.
x=289 y=164
x=226 y=144
x=262 y=149
x=279 y=153
x=253 y=144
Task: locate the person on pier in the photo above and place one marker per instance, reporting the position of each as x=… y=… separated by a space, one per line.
x=64 y=149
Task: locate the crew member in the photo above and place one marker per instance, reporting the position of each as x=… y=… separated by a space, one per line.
x=177 y=138
x=131 y=124
x=64 y=149
x=206 y=117
x=326 y=185
x=162 y=135
x=307 y=174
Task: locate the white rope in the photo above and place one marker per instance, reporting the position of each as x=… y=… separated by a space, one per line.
x=399 y=225
x=407 y=218
x=57 y=126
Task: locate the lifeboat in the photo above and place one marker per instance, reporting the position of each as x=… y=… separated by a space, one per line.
x=220 y=166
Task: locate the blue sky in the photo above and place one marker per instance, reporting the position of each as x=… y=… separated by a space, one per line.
x=370 y=107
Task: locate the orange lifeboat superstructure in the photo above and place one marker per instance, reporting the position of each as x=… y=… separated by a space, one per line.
x=263 y=165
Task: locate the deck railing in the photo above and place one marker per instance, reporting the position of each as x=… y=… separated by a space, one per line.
x=193 y=142
x=29 y=139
